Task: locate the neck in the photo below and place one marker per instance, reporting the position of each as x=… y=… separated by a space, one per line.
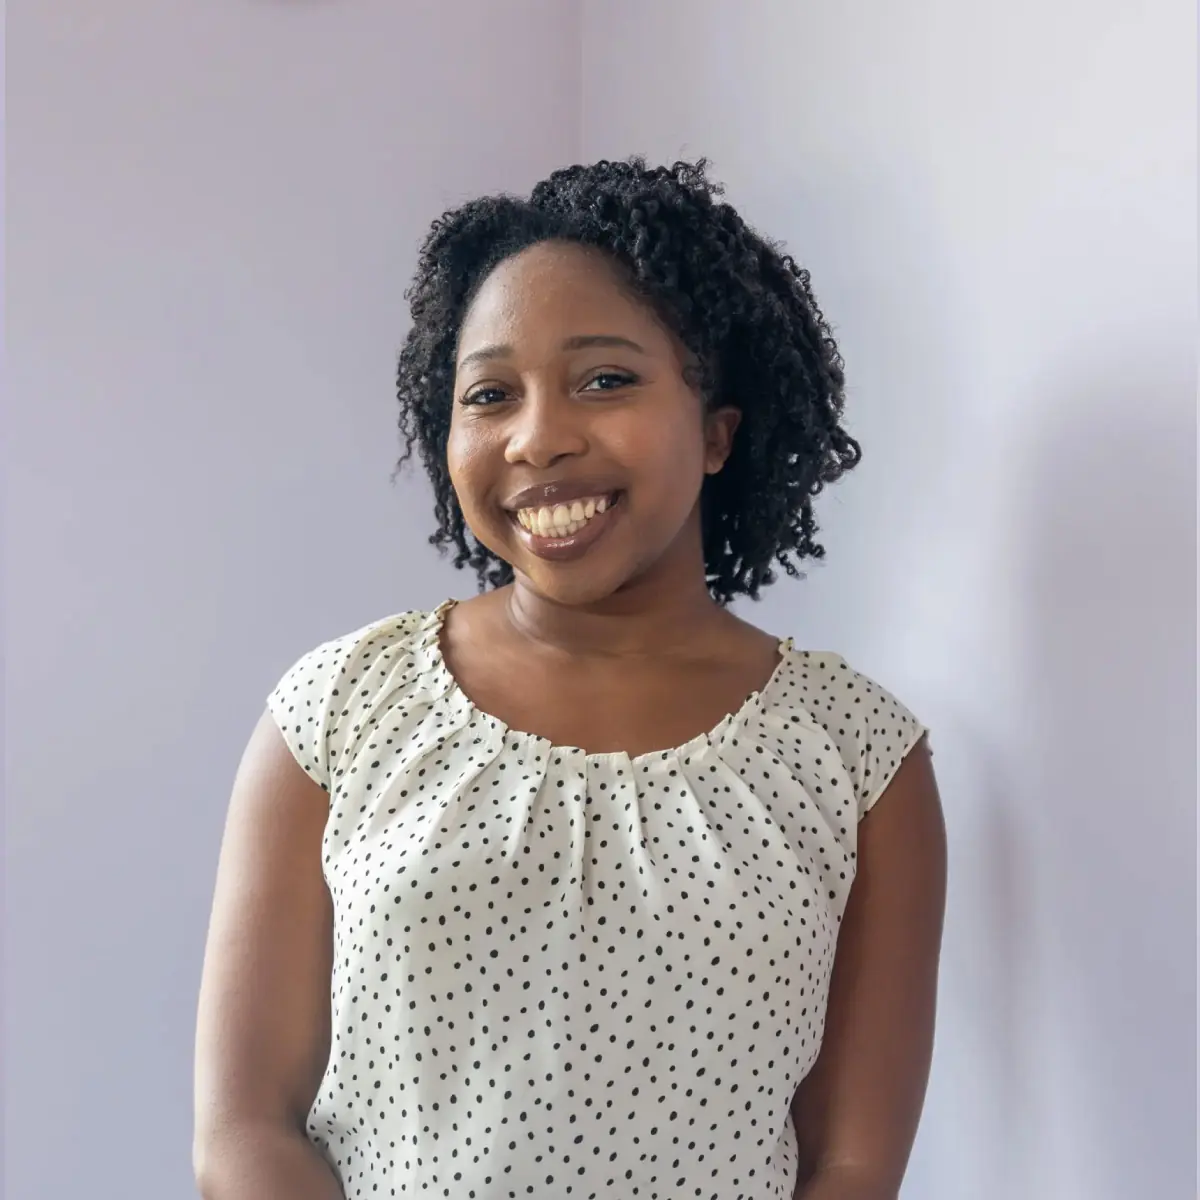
x=648 y=617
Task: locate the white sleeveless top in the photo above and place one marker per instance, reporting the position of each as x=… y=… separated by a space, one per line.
x=569 y=975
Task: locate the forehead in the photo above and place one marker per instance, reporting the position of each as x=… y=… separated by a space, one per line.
x=551 y=291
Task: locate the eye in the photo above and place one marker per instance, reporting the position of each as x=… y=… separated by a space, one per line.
x=609 y=381
x=483 y=397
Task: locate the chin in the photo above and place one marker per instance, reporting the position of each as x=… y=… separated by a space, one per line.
x=570 y=588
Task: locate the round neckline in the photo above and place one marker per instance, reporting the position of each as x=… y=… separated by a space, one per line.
x=436 y=623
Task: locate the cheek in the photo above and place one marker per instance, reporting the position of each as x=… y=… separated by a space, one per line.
x=667 y=453
x=468 y=452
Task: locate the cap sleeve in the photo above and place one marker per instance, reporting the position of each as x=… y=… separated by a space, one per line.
x=305 y=700
x=872 y=730
x=323 y=705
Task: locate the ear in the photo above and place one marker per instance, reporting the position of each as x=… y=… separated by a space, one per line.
x=719 y=427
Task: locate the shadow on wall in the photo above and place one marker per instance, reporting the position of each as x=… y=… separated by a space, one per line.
x=1000 y=973
x=1110 y=788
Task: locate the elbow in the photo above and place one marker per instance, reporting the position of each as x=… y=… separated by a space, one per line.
x=204 y=1163
x=203 y=1175
x=213 y=1148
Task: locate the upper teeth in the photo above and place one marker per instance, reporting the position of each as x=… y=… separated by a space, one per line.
x=561 y=520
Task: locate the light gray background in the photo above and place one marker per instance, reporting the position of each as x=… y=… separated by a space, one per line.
x=213 y=210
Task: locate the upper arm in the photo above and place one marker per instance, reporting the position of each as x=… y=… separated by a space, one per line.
x=263 y=1024
x=857 y=1111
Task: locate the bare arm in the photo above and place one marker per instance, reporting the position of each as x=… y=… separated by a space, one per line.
x=262 y=1035
x=857 y=1112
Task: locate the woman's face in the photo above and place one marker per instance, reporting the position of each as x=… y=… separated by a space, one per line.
x=577 y=450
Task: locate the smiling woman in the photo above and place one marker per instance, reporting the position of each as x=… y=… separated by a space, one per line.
x=711 y=309
x=585 y=887
x=570 y=389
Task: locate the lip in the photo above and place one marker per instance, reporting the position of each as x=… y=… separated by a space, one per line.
x=575 y=545
x=563 y=491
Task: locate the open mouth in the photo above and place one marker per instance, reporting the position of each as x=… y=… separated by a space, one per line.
x=560 y=531
x=558 y=521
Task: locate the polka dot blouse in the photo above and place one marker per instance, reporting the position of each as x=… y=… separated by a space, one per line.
x=569 y=975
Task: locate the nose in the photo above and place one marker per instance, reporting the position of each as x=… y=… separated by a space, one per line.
x=546 y=428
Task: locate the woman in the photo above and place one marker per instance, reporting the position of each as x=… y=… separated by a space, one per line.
x=573 y=857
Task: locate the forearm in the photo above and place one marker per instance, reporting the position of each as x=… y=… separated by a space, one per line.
x=843 y=1184
x=264 y=1163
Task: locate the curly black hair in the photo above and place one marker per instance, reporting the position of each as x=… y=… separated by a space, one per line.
x=741 y=305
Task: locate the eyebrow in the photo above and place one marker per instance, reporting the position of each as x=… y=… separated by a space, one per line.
x=579 y=342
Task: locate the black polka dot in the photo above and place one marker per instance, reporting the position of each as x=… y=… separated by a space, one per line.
x=569 y=975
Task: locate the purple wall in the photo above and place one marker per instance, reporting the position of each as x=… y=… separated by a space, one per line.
x=213 y=211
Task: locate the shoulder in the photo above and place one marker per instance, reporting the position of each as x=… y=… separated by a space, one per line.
x=839 y=693
x=869 y=727
x=327 y=693
x=325 y=670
